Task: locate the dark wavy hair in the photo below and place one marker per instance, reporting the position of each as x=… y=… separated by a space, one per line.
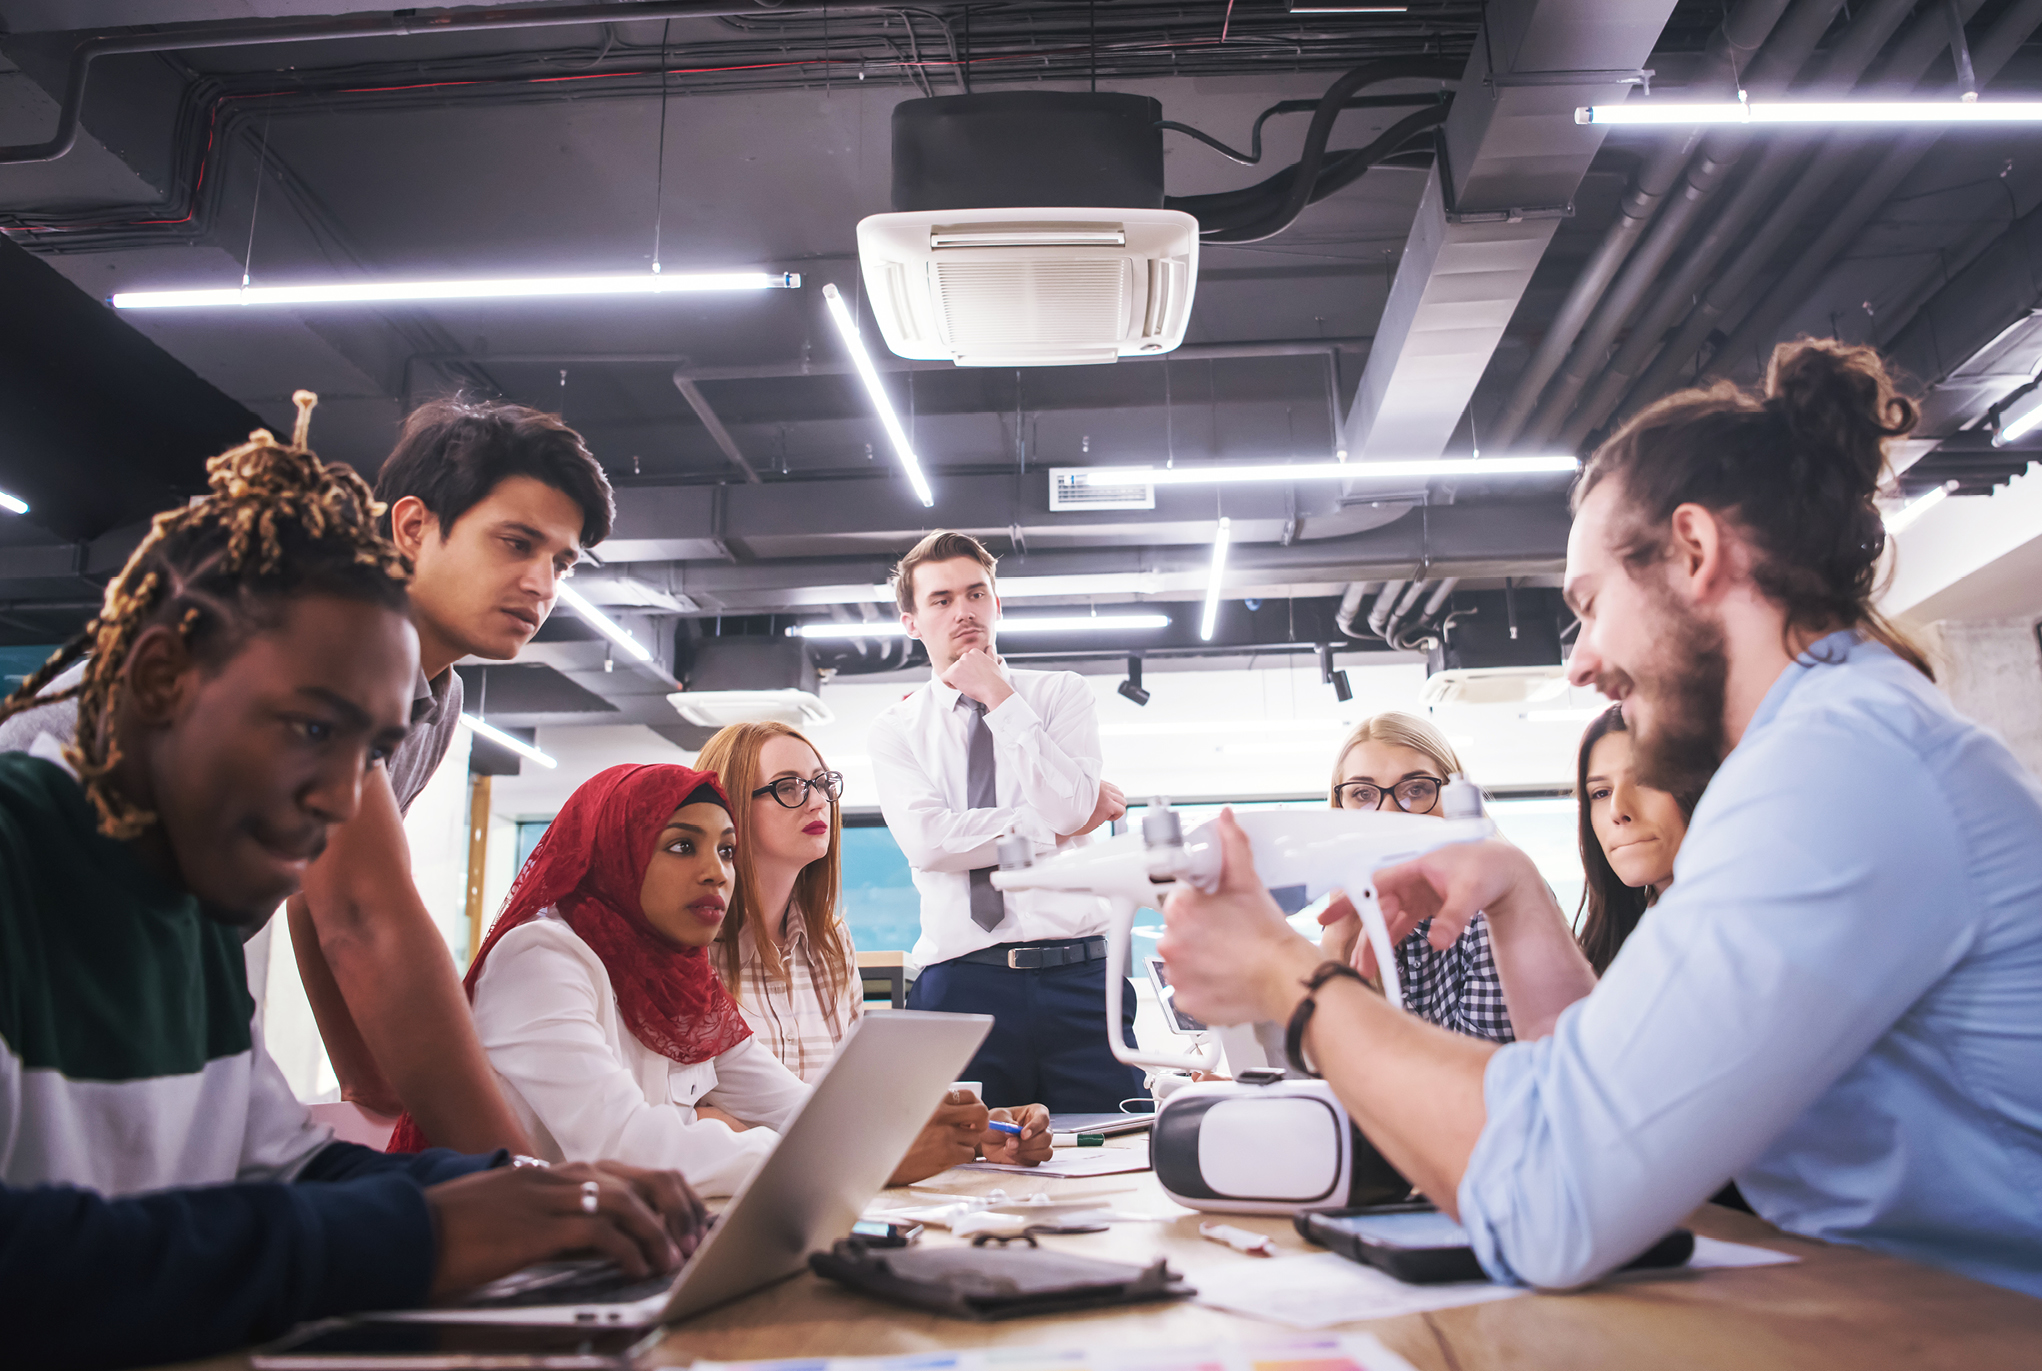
x=1795 y=469
x=1610 y=910
x=451 y=453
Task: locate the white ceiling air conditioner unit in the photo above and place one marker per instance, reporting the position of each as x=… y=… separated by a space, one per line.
x=1033 y=287
x=743 y=680
x=722 y=708
x=1496 y=685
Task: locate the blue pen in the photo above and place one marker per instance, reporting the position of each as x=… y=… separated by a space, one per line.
x=1012 y=1130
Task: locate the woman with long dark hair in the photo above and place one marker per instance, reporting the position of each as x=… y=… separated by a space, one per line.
x=1630 y=834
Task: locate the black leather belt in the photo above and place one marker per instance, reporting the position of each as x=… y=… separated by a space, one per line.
x=1038 y=956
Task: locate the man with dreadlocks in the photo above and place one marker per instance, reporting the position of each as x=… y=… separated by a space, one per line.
x=162 y=1195
x=491 y=503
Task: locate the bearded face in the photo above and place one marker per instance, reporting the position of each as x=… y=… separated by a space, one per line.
x=1679 y=733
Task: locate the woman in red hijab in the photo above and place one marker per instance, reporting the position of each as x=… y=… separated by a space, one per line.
x=596 y=1001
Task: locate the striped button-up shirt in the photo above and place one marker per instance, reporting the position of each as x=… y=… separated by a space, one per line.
x=789 y=1015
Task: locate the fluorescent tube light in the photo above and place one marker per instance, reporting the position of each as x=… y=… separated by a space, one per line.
x=503 y=288
x=604 y=624
x=848 y=326
x=1220 y=540
x=1813 y=112
x=1905 y=516
x=1068 y=623
x=1430 y=468
x=498 y=736
x=13 y=504
x=2019 y=419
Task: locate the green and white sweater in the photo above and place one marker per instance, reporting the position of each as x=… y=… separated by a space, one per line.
x=131 y=1072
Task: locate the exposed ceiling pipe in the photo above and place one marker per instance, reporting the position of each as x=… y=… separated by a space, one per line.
x=1508 y=174
x=1440 y=596
x=1379 y=617
x=1902 y=71
x=1784 y=53
x=402 y=23
x=1350 y=605
x=1765 y=309
x=1403 y=609
x=1729 y=51
x=1419 y=636
x=1779 y=157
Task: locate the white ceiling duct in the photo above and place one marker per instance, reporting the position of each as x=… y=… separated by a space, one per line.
x=1030 y=287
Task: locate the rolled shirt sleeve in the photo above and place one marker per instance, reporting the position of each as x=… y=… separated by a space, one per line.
x=1056 y=765
x=1820 y=893
x=932 y=835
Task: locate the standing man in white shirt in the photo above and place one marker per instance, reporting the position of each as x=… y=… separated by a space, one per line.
x=979 y=752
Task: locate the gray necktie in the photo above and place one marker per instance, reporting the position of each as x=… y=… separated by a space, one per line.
x=988 y=906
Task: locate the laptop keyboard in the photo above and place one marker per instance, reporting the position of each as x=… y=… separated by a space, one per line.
x=592 y=1281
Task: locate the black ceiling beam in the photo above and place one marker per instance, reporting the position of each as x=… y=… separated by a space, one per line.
x=99 y=427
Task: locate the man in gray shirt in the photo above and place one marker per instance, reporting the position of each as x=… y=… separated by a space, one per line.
x=493 y=504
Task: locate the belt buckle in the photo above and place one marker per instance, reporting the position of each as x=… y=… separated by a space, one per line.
x=1014 y=965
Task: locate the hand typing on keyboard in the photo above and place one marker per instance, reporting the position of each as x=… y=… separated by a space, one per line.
x=645 y=1222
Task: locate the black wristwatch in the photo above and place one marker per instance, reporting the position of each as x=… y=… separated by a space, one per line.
x=1294 y=1035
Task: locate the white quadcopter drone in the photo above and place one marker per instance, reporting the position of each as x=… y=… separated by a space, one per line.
x=1268 y=1141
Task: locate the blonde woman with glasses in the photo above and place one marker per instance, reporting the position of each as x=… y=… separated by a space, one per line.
x=785 y=953
x=1399 y=763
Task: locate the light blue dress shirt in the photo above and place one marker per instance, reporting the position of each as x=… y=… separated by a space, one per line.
x=1838 y=1003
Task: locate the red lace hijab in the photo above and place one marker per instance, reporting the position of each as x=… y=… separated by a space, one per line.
x=590 y=867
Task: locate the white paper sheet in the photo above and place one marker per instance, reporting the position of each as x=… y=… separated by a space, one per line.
x=1345 y=1352
x=1715 y=1254
x=1325 y=1289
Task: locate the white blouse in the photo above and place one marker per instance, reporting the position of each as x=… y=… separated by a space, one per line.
x=586 y=1089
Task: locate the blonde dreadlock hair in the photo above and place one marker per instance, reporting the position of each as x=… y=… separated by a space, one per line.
x=277 y=523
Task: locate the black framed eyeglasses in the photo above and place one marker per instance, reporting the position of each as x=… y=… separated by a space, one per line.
x=1413 y=794
x=792 y=791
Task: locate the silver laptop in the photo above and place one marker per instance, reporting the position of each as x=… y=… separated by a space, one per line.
x=889 y=1074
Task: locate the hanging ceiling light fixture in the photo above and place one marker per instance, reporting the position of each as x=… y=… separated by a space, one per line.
x=1067 y=623
x=13 y=504
x=840 y=313
x=502 y=288
x=1428 y=468
x=604 y=624
x=1210 y=618
x=1907 y=514
x=503 y=739
x=1745 y=111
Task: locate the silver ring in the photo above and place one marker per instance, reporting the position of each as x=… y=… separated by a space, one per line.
x=589 y=1191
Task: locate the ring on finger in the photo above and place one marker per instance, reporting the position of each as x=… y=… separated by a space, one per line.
x=589 y=1191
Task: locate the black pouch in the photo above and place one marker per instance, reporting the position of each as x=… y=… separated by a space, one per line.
x=994 y=1282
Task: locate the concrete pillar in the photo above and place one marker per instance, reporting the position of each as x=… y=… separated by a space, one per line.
x=1992 y=671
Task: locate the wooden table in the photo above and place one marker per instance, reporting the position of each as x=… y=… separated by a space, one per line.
x=1838 y=1307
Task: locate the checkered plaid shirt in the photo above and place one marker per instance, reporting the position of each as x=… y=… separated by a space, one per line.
x=1457 y=988
x=788 y=1016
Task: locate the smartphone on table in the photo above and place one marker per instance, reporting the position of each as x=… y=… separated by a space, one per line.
x=1417 y=1244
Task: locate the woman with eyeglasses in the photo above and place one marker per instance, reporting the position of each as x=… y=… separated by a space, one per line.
x=1399 y=763
x=785 y=953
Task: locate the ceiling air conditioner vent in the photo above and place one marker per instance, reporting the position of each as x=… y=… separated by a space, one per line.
x=1018 y=287
x=1069 y=490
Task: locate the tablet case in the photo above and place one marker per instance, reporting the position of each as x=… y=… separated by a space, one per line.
x=994 y=1282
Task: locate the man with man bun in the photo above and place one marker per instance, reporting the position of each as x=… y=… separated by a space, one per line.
x=980 y=751
x=1834 y=1004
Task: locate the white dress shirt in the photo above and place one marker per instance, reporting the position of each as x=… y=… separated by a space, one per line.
x=1046 y=769
x=586 y=1089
